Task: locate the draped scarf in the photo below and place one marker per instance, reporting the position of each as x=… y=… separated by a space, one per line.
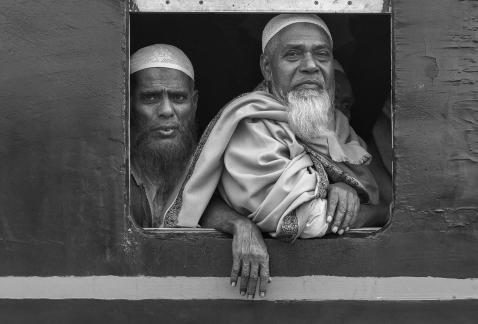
x=207 y=165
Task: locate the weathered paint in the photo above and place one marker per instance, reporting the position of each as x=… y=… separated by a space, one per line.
x=306 y=288
x=62 y=142
x=338 y=6
x=436 y=115
x=447 y=254
x=63 y=155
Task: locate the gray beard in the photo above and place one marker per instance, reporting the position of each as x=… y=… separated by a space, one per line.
x=310 y=112
x=164 y=163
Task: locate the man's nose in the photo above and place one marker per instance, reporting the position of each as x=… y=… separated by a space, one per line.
x=308 y=64
x=165 y=108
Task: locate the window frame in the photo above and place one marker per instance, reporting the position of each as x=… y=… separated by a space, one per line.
x=378 y=7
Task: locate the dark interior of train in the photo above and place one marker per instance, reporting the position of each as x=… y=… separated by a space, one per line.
x=225 y=50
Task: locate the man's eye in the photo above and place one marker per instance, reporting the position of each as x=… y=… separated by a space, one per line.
x=178 y=97
x=292 y=55
x=150 y=98
x=323 y=54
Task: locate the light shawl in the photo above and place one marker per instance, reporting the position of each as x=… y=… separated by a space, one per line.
x=248 y=129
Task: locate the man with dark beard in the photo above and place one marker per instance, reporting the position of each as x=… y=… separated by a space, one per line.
x=284 y=157
x=163 y=135
x=163 y=139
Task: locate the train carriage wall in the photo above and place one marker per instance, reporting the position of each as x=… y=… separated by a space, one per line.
x=63 y=178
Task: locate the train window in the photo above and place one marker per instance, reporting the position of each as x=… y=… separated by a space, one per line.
x=224 y=48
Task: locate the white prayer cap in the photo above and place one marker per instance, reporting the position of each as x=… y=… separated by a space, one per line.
x=161 y=55
x=281 y=21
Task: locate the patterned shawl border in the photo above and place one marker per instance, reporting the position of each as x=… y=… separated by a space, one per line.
x=336 y=174
x=289 y=230
x=322 y=179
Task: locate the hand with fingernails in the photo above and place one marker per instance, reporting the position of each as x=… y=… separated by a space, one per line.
x=250 y=260
x=343 y=205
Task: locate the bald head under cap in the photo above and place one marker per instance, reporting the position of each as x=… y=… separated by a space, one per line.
x=281 y=21
x=161 y=56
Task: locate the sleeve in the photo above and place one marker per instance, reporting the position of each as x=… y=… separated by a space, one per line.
x=267 y=176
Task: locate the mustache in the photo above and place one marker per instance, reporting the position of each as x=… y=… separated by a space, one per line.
x=155 y=127
x=148 y=131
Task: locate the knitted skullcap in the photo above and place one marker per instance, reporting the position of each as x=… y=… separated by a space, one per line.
x=161 y=55
x=281 y=21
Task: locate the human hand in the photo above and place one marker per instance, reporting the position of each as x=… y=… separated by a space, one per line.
x=343 y=205
x=250 y=259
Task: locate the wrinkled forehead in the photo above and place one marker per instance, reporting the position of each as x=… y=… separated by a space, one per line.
x=161 y=77
x=303 y=34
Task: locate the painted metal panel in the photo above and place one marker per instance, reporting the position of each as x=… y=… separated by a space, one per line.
x=330 y=6
x=233 y=311
x=63 y=176
x=436 y=115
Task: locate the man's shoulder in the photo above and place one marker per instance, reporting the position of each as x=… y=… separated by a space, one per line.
x=264 y=131
x=253 y=97
x=252 y=107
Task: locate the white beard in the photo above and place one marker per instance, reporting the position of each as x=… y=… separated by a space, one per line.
x=310 y=112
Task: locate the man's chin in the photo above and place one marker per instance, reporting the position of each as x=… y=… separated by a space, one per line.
x=162 y=145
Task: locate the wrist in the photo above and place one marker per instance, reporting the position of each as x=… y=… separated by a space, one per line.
x=239 y=223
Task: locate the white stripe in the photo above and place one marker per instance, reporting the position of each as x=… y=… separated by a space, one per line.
x=310 y=288
x=362 y=6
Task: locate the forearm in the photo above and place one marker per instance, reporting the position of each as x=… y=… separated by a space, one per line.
x=221 y=217
x=249 y=251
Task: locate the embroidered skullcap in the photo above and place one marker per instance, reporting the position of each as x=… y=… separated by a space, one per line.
x=281 y=21
x=161 y=55
x=338 y=67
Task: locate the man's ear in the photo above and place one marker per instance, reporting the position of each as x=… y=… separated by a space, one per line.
x=195 y=99
x=266 y=67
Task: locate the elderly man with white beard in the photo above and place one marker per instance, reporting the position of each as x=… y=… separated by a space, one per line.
x=163 y=139
x=284 y=157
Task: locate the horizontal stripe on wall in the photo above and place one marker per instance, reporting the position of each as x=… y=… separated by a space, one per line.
x=309 y=288
x=362 y=6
